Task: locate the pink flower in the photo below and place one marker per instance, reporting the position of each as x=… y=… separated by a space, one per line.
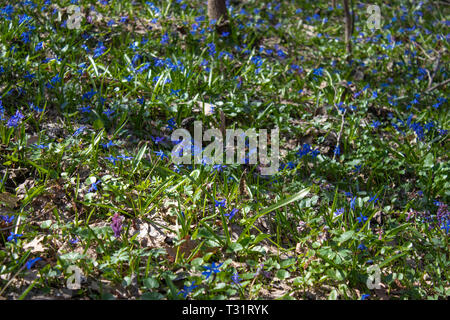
x=116 y=225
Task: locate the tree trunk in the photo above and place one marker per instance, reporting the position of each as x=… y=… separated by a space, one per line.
x=217 y=10
x=348 y=27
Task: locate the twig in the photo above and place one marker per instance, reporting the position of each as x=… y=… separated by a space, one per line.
x=348 y=27
x=437 y=86
x=11 y=280
x=435 y=69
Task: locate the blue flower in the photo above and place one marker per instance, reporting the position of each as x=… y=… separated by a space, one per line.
x=112 y=159
x=218 y=167
x=236 y=279
x=94 y=186
x=161 y=154
x=231 y=214
x=304 y=150
x=352 y=202
x=79 y=131
x=337 y=150
x=221 y=203
x=108 y=144
x=99 y=50
x=318 y=71
x=14 y=121
x=365 y=296
x=187 y=289
x=157 y=140
x=374 y=199
x=39 y=46
x=35 y=108
x=39 y=146
x=13 y=236
x=361 y=219
x=7 y=218
x=362 y=247
x=375 y=124
x=338 y=212
x=124 y=157
x=212 y=269
x=165 y=39
x=31 y=263
x=108 y=112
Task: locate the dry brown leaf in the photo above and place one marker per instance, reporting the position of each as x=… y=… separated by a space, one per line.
x=8 y=199
x=185 y=248
x=35 y=245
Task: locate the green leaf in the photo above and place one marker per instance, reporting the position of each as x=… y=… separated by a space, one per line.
x=345 y=236
x=151 y=283
x=298 y=196
x=282 y=274
x=429 y=161
x=46 y=224
x=152 y=296
x=333 y=295
x=236 y=247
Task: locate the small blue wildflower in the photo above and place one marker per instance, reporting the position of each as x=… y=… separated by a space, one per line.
x=78 y=131
x=187 y=289
x=374 y=199
x=15 y=120
x=338 y=212
x=108 y=112
x=38 y=46
x=35 y=108
x=39 y=146
x=221 y=203
x=108 y=144
x=236 y=279
x=231 y=214
x=375 y=124
x=112 y=159
x=32 y=262
x=361 y=219
x=99 y=50
x=13 y=236
x=7 y=218
x=218 y=167
x=212 y=269
x=161 y=154
x=165 y=39
x=362 y=247
x=124 y=157
x=157 y=140
x=318 y=72
x=352 y=202
x=94 y=186
x=337 y=150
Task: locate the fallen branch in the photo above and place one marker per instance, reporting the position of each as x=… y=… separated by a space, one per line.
x=435 y=69
x=437 y=86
